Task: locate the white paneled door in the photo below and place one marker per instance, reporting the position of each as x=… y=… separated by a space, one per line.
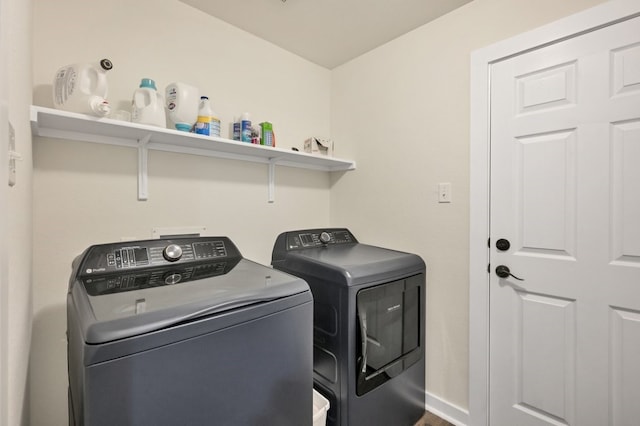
x=565 y=194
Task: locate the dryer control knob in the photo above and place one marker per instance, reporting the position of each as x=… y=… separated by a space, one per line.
x=172 y=252
x=325 y=237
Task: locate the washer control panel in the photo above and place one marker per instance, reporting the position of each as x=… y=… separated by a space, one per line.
x=318 y=238
x=118 y=257
x=131 y=280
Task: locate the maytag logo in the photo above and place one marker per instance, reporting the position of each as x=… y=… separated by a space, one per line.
x=393 y=308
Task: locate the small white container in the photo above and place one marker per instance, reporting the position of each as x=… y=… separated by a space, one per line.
x=82 y=88
x=320 y=408
x=183 y=101
x=147 y=106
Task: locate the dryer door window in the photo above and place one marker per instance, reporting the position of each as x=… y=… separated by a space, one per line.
x=388 y=332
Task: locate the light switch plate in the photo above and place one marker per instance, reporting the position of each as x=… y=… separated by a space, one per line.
x=444 y=192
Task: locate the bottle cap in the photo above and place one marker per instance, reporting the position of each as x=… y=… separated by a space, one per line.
x=106 y=64
x=147 y=82
x=204 y=97
x=245 y=116
x=183 y=127
x=100 y=106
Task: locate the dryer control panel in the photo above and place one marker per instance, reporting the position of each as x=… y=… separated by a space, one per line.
x=309 y=238
x=134 y=255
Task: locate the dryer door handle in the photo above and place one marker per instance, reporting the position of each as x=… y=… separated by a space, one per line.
x=362 y=319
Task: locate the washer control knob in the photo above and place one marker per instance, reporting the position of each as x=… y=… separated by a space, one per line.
x=172 y=252
x=172 y=278
x=325 y=237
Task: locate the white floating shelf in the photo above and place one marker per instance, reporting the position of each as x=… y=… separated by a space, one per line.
x=52 y=123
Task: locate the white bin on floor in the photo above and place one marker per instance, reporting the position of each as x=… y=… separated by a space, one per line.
x=320 y=408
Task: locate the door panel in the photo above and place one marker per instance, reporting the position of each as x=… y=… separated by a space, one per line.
x=625 y=189
x=565 y=191
x=547 y=89
x=546 y=228
x=625 y=369
x=546 y=342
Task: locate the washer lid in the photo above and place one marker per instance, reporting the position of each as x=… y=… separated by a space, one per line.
x=179 y=294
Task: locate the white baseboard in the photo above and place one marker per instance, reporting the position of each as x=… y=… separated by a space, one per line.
x=445 y=410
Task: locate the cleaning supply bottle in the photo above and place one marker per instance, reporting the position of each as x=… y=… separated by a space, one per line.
x=245 y=127
x=266 y=133
x=147 y=106
x=236 y=130
x=214 y=128
x=82 y=88
x=182 y=104
x=203 y=123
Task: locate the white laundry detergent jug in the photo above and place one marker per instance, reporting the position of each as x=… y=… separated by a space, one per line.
x=147 y=106
x=183 y=101
x=82 y=88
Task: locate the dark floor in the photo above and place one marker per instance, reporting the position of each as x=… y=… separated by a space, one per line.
x=432 y=420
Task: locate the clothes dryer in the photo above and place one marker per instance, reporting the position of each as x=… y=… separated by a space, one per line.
x=369 y=316
x=185 y=331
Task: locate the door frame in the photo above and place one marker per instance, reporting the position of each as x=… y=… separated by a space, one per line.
x=481 y=60
x=4 y=204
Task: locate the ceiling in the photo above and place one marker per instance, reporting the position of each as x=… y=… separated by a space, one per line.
x=327 y=32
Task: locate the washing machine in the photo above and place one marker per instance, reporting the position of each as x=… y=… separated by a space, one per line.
x=369 y=316
x=185 y=331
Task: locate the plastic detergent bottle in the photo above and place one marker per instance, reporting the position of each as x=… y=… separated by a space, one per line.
x=147 y=106
x=208 y=122
x=236 y=129
x=214 y=128
x=245 y=127
x=203 y=124
x=82 y=88
x=182 y=103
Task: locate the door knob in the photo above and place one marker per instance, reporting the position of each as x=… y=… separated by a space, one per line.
x=503 y=245
x=504 y=272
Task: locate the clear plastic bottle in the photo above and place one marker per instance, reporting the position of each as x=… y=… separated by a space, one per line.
x=82 y=88
x=147 y=106
x=205 y=112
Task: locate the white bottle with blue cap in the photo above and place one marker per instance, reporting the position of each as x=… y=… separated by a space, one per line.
x=182 y=105
x=147 y=106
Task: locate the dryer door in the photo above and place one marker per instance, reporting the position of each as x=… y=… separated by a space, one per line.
x=389 y=331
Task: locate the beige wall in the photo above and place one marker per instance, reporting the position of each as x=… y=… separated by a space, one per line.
x=15 y=24
x=402 y=111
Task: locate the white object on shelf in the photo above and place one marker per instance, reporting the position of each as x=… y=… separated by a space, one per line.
x=182 y=103
x=319 y=146
x=320 y=408
x=147 y=105
x=52 y=123
x=82 y=88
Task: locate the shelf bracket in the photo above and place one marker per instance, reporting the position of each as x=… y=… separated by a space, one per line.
x=272 y=177
x=143 y=159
